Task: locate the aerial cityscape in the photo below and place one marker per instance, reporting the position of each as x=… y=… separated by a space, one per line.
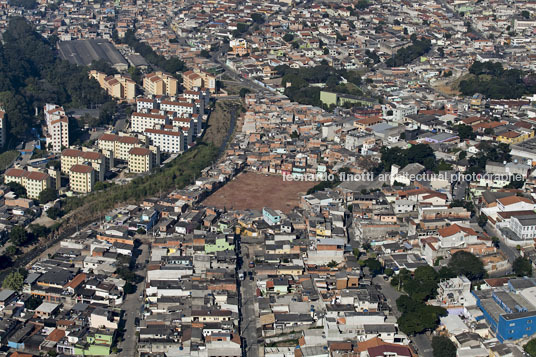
x=268 y=178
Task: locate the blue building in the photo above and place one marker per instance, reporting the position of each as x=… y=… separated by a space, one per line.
x=270 y=216
x=510 y=316
x=148 y=219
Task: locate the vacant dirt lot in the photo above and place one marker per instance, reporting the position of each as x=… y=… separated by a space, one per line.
x=254 y=191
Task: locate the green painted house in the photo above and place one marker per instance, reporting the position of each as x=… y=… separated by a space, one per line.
x=220 y=245
x=96 y=344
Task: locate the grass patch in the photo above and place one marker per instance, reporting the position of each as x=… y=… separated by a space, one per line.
x=7 y=158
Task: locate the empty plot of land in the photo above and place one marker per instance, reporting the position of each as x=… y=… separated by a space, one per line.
x=254 y=191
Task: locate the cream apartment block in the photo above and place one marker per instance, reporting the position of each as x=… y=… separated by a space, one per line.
x=117 y=86
x=168 y=140
x=57 y=135
x=160 y=83
x=71 y=157
x=33 y=181
x=140 y=160
x=197 y=79
x=117 y=146
x=81 y=178
x=141 y=121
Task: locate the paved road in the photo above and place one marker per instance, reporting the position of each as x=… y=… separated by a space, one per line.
x=248 y=315
x=131 y=306
x=422 y=341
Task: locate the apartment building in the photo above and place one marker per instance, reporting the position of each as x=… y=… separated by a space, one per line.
x=168 y=140
x=141 y=121
x=192 y=124
x=180 y=108
x=145 y=104
x=160 y=83
x=197 y=79
x=71 y=157
x=33 y=181
x=57 y=133
x=81 y=178
x=117 y=86
x=140 y=160
x=117 y=146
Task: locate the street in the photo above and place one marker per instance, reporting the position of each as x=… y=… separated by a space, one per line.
x=131 y=307
x=421 y=341
x=248 y=293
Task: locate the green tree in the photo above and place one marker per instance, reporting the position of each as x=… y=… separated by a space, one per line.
x=522 y=267
x=332 y=264
x=33 y=302
x=465 y=263
x=18 y=235
x=374 y=266
x=288 y=37
x=39 y=230
x=17 y=189
x=257 y=18
x=482 y=220
x=54 y=213
x=12 y=250
x=244 y=91
x=443 y=347
x=13 y=281
x=129 y=288
x=47 y=195
x=465 y=131
x=530 y=348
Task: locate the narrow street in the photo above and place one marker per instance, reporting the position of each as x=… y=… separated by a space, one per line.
x=248 y=295
x=422 y=341
x=132 y=310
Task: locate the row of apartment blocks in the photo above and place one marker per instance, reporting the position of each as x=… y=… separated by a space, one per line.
x=57 y=127
x=118 y=86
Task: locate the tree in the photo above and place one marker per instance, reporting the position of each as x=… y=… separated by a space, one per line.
x=465 y=131
x=374 y=266
x=54 y=213
x=522 y=267
x=47 y=195
x=482 y=220
x=12 y=250
x=204 y=53
x=495 y=241
x=288 y=37
x=465 y=263
x=39 y=230
x=443 y=347
x=18 y=235
x=17 y=189
x=14 y=281
x=244 y=91
x=332 y=264
x=129 y=288
x=33 y=302
x=530 y=347
x=257 y=18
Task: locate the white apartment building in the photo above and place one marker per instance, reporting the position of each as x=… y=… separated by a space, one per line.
x=178 y=107
x=57 y=135
x=167 y=140
x=141 y=121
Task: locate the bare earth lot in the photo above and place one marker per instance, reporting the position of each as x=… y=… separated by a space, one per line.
x=254 y=191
